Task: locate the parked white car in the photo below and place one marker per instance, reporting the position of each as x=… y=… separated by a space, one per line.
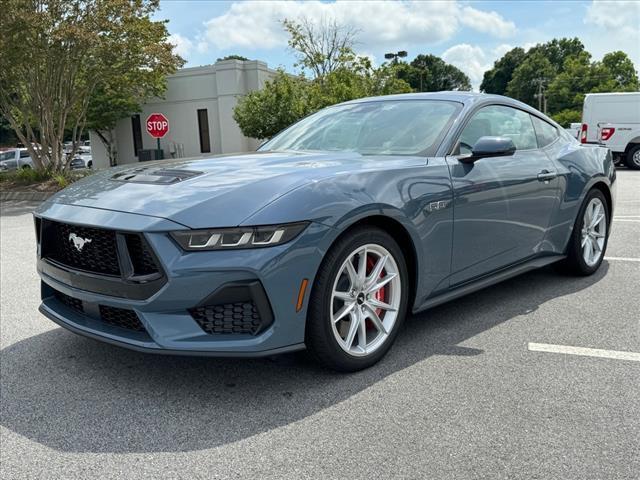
x=82 y=158
x=15 y=158
x=613 y=119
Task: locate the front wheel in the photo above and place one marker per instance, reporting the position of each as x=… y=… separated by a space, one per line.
x=358 y=301
x=589 y=238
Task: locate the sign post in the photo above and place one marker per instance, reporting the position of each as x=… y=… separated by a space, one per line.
x=157 y=126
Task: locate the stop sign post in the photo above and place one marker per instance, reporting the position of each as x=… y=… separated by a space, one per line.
x=157 y=126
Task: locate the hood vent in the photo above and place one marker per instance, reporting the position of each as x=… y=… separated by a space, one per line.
x=160 y=176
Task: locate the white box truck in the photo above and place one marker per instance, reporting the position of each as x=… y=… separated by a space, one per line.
x=613 y=119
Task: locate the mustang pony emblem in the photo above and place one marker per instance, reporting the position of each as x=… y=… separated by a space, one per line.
x=78 y=242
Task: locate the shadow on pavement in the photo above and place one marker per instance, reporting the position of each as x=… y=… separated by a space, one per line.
x=13 y=208
x=78 y=395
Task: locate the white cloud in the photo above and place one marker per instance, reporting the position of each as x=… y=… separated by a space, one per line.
x=487 y=22
x=617 y=27
x=181 y=45
x=473 y=60
x=615 y=16
x=380 y=24
x=468 y=58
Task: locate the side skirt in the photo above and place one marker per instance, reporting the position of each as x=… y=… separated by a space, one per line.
x=487 y=281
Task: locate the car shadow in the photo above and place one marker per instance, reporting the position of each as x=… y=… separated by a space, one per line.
x=74 y=394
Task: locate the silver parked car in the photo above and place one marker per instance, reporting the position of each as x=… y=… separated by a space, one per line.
x=14 y=159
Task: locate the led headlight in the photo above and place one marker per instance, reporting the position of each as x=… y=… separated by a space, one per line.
x=240 y=237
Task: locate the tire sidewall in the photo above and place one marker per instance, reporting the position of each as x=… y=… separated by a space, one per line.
x=629 y=158
x=320 y=315
x=576 y=247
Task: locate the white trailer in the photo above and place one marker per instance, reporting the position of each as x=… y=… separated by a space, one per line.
x=613 y=119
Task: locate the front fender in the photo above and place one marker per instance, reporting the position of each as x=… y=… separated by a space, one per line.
x=419 y=198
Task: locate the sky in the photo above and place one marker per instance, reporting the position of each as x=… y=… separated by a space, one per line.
x=469 y=34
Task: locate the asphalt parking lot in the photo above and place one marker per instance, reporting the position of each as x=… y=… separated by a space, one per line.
x=463 y=393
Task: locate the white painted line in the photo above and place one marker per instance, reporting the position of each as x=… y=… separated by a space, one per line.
x=625 y=216
x=585 y=352
x=625 y=220
x=622 y=259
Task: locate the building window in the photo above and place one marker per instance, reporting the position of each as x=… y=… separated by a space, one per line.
x=203 y=128
x=136 y=129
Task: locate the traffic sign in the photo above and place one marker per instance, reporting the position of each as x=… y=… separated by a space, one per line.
x=157 y=125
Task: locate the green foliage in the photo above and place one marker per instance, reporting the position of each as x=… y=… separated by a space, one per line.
x=72 y=63
x=340 y=75
x=428 y=73
x=232 y=57
x=567 y=117
x=523 y=86
x=566 y=73
x=282 y=101
x=497 y=79
x=29 y=176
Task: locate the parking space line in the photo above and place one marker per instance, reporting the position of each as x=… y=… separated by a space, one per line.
x=585 y=352
x=626 y=220
x=622 y=259
x=625 y=216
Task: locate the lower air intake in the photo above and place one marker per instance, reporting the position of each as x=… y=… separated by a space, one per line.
x=121 y=317
x=239 y=317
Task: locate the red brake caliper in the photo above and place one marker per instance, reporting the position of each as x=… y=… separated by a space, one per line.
x=380 y=295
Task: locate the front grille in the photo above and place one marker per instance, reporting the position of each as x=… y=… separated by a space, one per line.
x=70 y=302
x=140 y=254
x=96 y=250
x=83 y=248
x=239 y=317
x=121 y=317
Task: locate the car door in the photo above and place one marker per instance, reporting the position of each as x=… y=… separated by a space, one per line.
x=502 y=204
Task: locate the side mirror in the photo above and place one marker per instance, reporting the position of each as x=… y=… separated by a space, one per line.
x=490 y=147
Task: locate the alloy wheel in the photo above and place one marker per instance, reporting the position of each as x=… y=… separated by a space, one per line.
x=365 y=300
x=594 y=231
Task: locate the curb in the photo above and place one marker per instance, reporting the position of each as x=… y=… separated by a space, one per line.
x=25 y=196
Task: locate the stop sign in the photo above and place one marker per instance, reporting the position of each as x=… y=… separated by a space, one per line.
x=157 y=125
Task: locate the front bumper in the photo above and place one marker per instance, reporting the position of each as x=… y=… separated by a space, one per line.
x=190 y=279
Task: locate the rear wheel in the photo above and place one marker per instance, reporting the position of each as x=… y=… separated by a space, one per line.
x=588 y=241
x=358 y=301
x=632 y=158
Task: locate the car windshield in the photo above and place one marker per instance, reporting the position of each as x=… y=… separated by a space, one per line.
x=388 y=127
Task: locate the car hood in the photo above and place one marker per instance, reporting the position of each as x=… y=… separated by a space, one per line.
x=218 y=191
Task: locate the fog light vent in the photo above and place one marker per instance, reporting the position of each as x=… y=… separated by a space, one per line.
x=238 y=317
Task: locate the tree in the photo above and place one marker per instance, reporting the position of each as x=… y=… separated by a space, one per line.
x=528 y=77
x=558 y=50
x=579 y=76
x=57 y=54
x=282 y=101
x=320 y=48
x=497 y=79
x=340 y=75
x=428 y=73
x=232 y=57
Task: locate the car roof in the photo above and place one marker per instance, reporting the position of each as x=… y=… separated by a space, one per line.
x=452 y=96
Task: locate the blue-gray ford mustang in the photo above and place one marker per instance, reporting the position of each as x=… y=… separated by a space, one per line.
x=329 y=234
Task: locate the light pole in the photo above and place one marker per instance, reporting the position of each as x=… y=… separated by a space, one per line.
x=394 y=56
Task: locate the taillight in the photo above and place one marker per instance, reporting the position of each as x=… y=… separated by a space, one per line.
x=605 y=133
x=583 y=133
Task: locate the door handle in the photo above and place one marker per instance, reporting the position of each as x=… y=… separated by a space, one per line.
x=546 y=175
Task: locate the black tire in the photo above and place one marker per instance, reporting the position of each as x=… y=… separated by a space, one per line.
x=319 y=337
x=628 y=159
x=575 y=263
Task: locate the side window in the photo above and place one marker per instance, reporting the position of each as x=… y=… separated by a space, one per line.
x=501 y=121
x=24 y=154
x=545 y=132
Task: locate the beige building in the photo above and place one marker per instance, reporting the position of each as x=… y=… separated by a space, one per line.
x=199 y=105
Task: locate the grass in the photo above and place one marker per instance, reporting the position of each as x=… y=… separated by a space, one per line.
x=45 y=180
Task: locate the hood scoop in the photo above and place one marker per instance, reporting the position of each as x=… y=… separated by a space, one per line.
x=154 y=175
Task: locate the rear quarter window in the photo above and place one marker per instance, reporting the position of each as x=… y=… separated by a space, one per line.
x=545 y=132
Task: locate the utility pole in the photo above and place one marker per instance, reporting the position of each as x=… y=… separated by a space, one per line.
x=542 y=99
